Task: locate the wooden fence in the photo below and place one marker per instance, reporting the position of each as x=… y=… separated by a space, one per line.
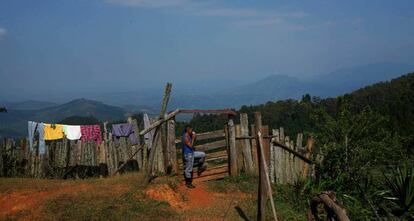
x=229 y=151
x=67 y=158
x=284 y=166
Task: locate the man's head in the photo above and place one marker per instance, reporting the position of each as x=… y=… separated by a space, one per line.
x=188 y=129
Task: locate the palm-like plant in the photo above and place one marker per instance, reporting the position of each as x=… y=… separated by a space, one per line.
x=400 y=194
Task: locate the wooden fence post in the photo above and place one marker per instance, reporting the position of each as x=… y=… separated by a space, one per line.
x=309 y=149
x=138 y=157
x=147 y=139
x=113 y=153
x=254 y=150
x=160 y=167
x=288 y=162
x=266 y=143
x=272 y=159
x=240 y=164
x=299 y=149
x=232 y=147
x=171 y=145
x=278 y=158
x=262 y=192
x=1 y=159
x=293 y=162
x=246 y=147
x=108 y=159
x=283 y=157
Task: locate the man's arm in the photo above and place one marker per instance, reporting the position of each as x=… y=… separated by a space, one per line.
x=187 y=141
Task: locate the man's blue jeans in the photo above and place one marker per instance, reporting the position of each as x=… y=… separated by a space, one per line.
x=189 y=159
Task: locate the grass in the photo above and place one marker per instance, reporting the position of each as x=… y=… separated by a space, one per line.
x=119 y=198
x=123 y=198
x=243 y=183
x=288 y=205
x=98 y=206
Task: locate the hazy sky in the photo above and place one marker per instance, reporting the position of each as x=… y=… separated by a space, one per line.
x=70 y=47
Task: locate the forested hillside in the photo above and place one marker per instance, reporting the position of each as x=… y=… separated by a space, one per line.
x=393 y=100
x=364 y=138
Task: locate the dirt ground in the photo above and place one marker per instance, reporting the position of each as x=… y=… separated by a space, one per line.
x=29 y=199
x=198 y=201
x=32 y=201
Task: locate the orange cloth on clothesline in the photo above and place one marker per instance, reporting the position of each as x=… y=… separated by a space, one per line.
x=53 y=131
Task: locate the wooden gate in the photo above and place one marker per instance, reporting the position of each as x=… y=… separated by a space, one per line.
x=215 y=145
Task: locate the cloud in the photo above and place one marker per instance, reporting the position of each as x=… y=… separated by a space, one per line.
x=238 y=17
x=297 y=14
x=248 y=17
x=228 y=12
x=3 y=32
x=148 y=3
x=258 y=22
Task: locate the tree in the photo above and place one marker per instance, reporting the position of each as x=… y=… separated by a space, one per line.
x=354 y=145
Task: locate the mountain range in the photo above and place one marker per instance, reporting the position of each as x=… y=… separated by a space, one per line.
x=278 y=87
x=14 y=122
x=115 y=106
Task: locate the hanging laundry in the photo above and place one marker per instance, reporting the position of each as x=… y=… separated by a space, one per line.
x=72 y=132
x=124 y=130
x=32 y=128
x=91 y=133
x=53 y=131
x=41 y=131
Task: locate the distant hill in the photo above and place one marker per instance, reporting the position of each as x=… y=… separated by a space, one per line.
x=80 y=107
x=280 y=87
x=345 y=80
x=271 y=88
x=14 y=123
x=27 y=105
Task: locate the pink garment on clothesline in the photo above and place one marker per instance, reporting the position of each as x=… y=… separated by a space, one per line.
x=91 y=133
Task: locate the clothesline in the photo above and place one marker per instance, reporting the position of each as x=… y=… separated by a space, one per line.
x=47 y=131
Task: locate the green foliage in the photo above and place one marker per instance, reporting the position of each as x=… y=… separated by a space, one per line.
x=399 y=197
x=353 y=145
x=359 y=136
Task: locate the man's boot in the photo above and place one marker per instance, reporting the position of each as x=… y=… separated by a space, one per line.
x=188 y=183
x=201 y=169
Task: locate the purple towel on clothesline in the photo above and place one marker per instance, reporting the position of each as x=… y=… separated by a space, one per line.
x=124 y=130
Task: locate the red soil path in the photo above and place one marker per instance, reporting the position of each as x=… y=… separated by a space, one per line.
x=184 y=199
x=33 y=201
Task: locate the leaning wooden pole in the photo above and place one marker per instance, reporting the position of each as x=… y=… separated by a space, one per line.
x=159 y=122
x=262 y=192
x=264 y=166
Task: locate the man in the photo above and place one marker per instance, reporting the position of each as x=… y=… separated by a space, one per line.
x=190 y=156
